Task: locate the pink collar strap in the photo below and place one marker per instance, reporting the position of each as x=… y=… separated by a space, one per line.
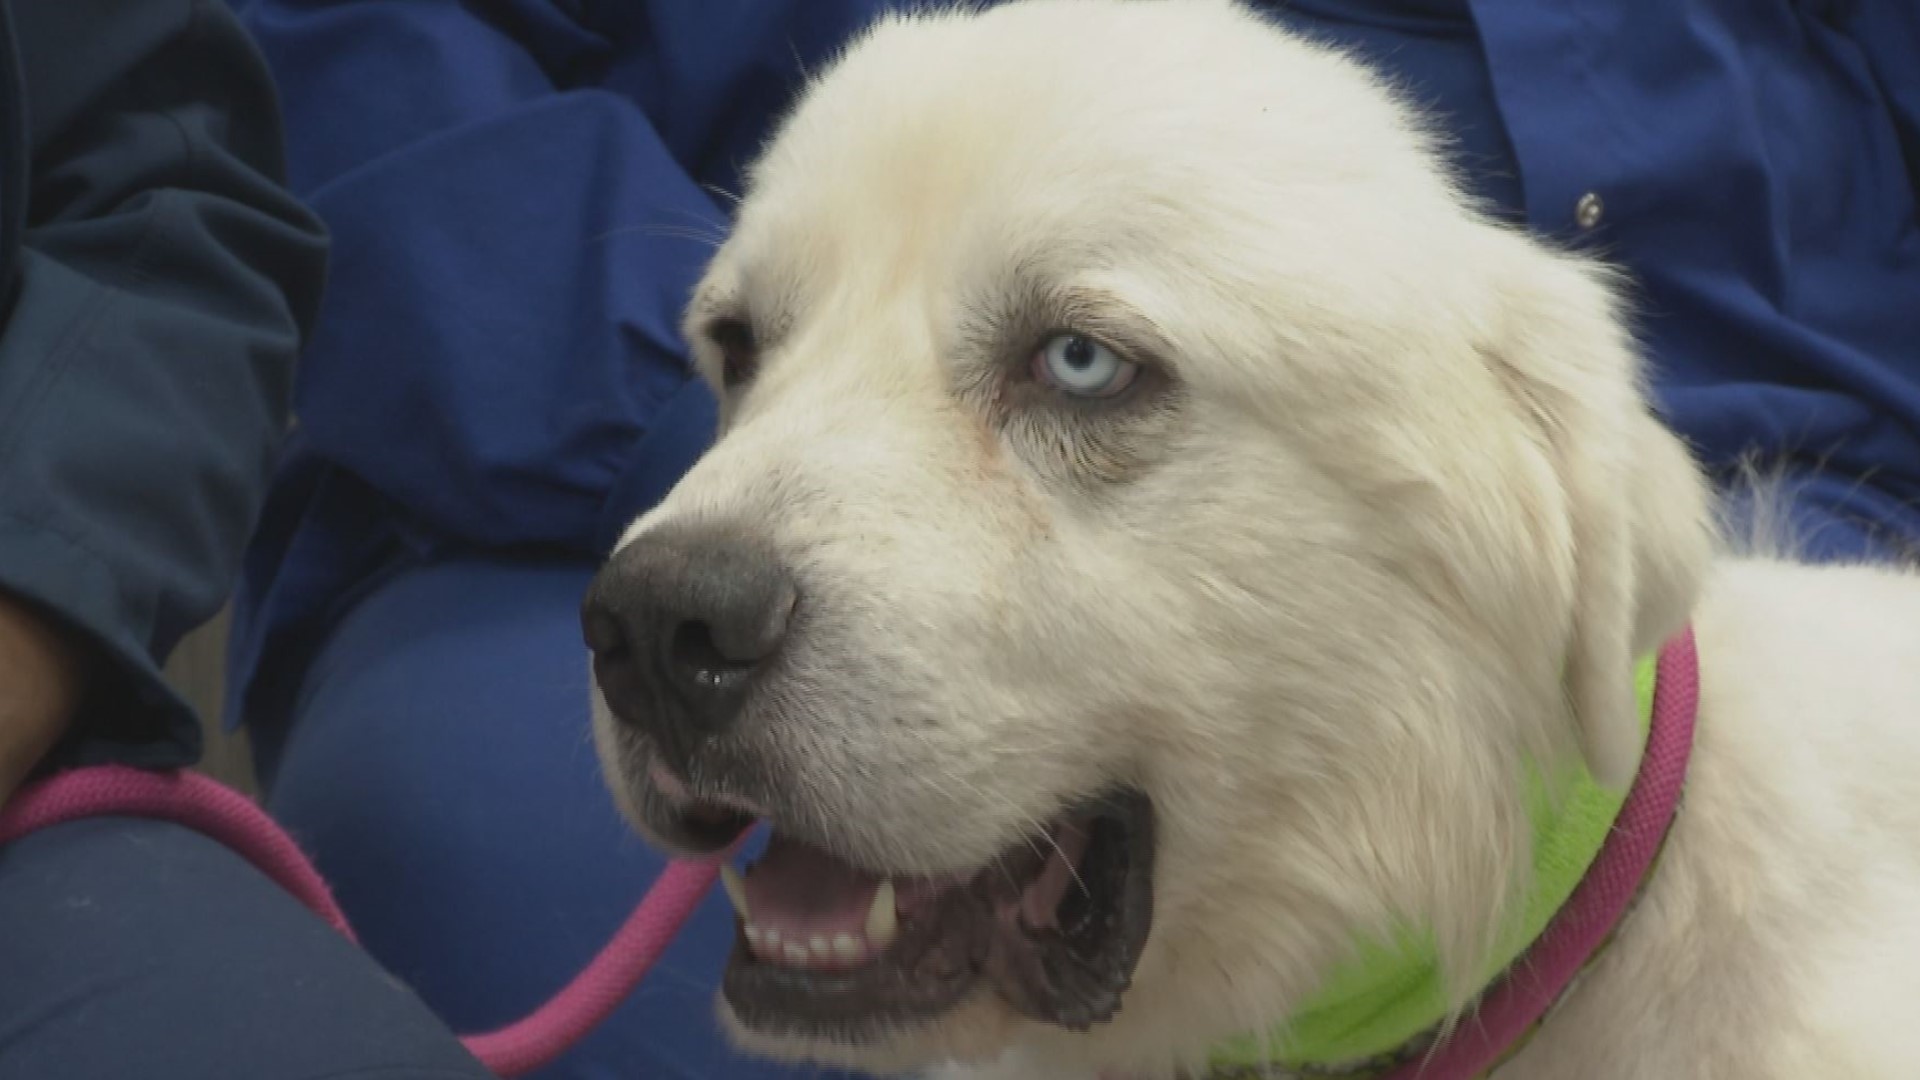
x=1516 y=1004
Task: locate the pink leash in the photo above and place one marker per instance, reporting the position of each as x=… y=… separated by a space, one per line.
x=231 y=818
x=1506 y=1013
x=1520 y=1000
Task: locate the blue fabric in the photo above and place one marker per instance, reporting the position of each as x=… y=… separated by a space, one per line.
x=142 y=949
x=478 y=853
x=155 y=282
x=521 y=194
x=1758 y=165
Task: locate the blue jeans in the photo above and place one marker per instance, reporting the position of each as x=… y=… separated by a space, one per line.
x=438 y=766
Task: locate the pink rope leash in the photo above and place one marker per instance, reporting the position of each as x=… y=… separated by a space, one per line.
x=565 y=1019
x=231 y=818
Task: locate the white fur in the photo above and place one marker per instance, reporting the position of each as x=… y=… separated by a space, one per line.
x=1401 y=523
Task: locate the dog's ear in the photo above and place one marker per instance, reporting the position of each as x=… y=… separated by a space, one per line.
x=1636 y=504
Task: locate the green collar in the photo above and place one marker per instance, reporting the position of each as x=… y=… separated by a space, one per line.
x=1391 y=993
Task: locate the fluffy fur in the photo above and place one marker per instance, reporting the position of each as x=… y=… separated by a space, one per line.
x=1394 y=520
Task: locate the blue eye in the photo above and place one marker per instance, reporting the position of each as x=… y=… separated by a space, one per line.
x=1082 y=367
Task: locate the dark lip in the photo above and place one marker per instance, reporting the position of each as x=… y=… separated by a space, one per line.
x=1073 y=977
x=699 y=833
x=696 y=831
x=1079 y=977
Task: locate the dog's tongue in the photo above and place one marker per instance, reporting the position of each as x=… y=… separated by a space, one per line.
x=800 y=891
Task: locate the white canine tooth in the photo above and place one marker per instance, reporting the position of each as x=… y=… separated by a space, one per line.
x=773 y=938
x=736 y=888
x=754 y=936
x=848 y=947
x=822 y=948
x=797 y=953
x=882 y=922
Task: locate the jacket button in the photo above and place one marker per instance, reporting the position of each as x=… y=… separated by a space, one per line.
x=1589 y=210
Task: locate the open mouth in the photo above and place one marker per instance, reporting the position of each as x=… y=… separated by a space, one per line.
x=1054 y=925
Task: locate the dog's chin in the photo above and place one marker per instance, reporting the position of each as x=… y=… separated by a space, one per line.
x=835 y=961
x=977 y=1031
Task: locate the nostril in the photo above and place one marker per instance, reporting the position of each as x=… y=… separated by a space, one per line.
x=694 y=649
x=603 y=632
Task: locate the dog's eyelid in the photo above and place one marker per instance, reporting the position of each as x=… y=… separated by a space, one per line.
x=739 y=351
x=1103 y=316
x=1098 y=333
x=729 y=329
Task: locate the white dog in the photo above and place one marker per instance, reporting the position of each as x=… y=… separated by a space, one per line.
x=1160 y=538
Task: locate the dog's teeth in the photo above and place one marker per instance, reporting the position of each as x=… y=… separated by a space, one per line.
x=822 y=948
x=882 y=922
x=797 y=953
x=848 y=947
x=736 y=891
x=754 y=936
x=773 y=939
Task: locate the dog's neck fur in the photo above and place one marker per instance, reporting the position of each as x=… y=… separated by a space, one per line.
x=1390 y=1003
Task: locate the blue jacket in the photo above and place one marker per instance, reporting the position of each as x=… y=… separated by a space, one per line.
x=522 y=193
x=155 y=280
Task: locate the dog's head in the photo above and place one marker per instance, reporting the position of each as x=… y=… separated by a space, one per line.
x=1155 y=525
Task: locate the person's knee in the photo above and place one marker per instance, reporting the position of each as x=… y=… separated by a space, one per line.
x=135 y=948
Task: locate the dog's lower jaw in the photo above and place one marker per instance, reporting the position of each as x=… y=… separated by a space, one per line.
x=981 y=1039
x=971 y=1036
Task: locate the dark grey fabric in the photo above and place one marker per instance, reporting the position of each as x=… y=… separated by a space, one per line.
x=136 y=950
x=157 y=283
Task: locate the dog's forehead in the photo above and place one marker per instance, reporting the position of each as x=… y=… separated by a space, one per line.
x=925 y=200
x=962 y=145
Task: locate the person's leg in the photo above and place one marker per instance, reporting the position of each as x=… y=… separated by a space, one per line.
x=439 y=768
x=140 y=949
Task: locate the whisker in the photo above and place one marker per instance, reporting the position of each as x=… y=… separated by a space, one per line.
x=1037 y=827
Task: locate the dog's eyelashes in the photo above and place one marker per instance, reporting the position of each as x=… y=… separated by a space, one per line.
x=1078 y=366
x=739 y=354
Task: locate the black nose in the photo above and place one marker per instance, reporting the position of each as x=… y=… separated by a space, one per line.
x=678 y=624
